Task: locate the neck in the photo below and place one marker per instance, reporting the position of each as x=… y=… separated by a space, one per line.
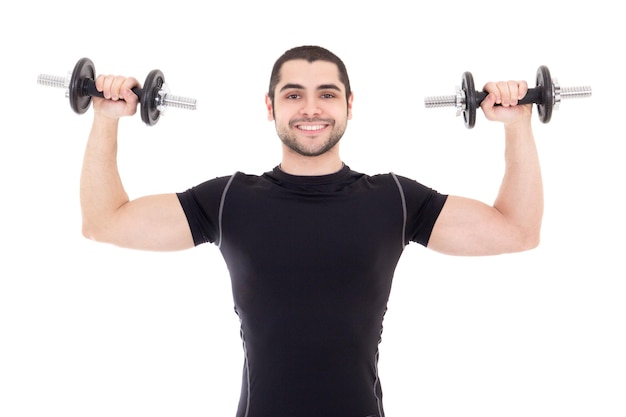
x=309 y=166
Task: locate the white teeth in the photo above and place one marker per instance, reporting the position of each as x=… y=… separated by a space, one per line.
x=315 y=127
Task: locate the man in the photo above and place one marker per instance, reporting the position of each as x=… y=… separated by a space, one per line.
x=311 y=246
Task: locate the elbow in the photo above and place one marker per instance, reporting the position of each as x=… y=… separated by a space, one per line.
x=88 y=232
x=531 y=244
x=528 y=240
x=92 y=232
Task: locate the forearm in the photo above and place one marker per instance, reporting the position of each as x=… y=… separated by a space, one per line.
x=520 y=198
x=101 y=189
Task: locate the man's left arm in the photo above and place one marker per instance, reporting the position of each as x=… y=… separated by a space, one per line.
x=513 y=223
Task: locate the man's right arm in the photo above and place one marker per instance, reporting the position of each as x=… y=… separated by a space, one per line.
x=154 y=222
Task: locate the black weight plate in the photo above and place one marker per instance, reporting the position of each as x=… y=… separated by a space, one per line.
x=84 y=69
x=545 y=86
x=149 y=112
x=467 y=86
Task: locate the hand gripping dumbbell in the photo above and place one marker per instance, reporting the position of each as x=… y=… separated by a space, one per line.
x=547 y=95
x=80 y=87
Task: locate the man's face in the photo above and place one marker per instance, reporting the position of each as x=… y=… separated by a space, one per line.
x=310 y=109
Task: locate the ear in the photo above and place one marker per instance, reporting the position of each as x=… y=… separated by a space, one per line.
x=269 y=107
x=350 y=105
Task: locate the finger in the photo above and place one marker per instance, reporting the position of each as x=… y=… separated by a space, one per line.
x=493 y=94
x=99 y=82
x=514 y=90
x=116 y=86
x=522 y=89
x=103 y=84
x=107 y=86
x=126 y=91
x=508 y=93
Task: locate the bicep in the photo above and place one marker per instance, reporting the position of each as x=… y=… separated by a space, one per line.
x=155 y=222
x=468 y=227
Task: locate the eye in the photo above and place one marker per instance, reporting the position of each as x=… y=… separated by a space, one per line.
x=328 y=95
x=292 y=96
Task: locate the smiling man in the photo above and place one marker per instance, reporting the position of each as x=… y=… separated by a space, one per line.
x=312 y=115
x=311 y=245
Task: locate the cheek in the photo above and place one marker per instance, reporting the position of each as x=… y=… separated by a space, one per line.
x=280 y=115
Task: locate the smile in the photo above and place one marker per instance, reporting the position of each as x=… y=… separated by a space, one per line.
x=311 y=127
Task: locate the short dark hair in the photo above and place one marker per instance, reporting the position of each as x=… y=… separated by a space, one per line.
x=310 y=53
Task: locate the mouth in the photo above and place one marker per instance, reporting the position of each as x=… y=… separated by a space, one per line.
x=311 y=126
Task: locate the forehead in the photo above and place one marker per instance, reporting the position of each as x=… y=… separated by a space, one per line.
x=309 y=74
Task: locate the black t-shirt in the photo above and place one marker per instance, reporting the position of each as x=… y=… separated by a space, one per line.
x=311 y=260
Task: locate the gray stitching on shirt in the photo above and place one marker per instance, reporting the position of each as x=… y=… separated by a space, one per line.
x=404 y=210
x=221 y=212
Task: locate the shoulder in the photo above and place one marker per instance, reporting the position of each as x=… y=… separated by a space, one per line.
x=400 y=181
x=221 y=182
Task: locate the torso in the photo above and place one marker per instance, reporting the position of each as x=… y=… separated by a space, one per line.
x=311 y=261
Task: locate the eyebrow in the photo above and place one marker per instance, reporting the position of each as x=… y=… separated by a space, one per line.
x=301 y=87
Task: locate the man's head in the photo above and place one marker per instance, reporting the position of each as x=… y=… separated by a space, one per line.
x=310 y=54
x=309 y=101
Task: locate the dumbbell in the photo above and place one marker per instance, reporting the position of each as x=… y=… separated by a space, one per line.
x=547 y=95
x=80 y=87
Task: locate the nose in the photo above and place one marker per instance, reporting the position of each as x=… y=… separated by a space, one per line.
x=310 y=107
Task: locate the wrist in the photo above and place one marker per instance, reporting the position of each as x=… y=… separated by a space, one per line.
x=518 y=130
x=100 y=117
x=522 y=123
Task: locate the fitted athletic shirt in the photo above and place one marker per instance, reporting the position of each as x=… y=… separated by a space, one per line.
x=311 y=261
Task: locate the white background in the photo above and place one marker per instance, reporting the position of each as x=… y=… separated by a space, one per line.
x=92 y=330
